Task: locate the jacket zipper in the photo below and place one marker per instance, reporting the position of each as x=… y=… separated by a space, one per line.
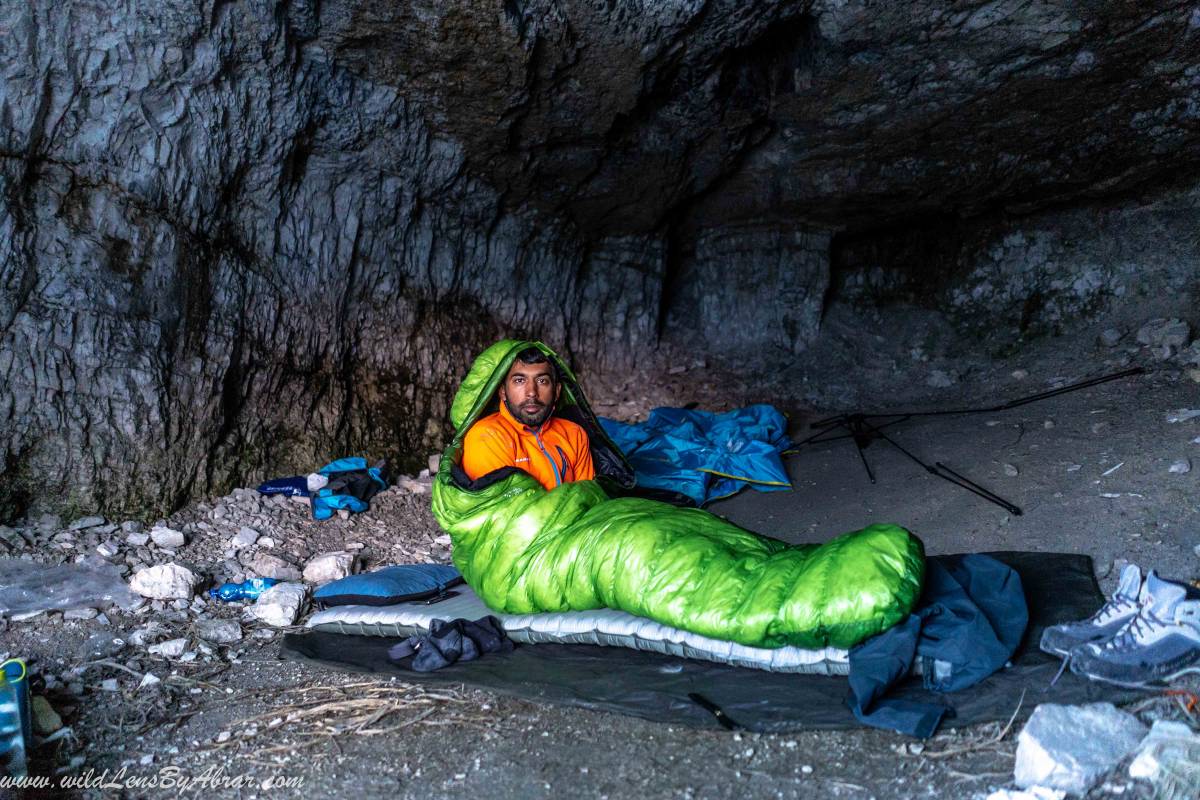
x=538 y=438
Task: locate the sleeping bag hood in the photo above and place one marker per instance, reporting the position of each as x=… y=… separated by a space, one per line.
x=525 y=549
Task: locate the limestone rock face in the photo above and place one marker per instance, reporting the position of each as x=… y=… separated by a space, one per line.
x=240 y=238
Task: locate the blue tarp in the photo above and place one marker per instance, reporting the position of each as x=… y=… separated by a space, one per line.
x=703 y=455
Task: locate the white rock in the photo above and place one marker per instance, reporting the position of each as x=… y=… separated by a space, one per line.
x=939 y=379
x=1110 y=337
x=1052 y=752
x=80 y=613
x=107 y=549
x=164 y=582
x=329 y=567
x=168 y=538
x=1182 y=415
x=148 y=680
x=269 y=566
x=280 y=605
x=137 y=539
x=1169 y=743
x=244 y=538
x=435 y=461
x=1011 y=471
x=86 y=522
x=1033 y=793
x=219 y=631
x=267 y=542
x=1181 y=467
x=444 y=539
x=316 y=482
x=171 y=648
x=109 y=685
x=1020 y=374
x=1164 y=333
x=411 y=485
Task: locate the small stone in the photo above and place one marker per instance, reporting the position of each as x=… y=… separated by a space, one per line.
x=167 y=538
x=1194 y=374
x=1164 y=333
x=1182 y=415
x=679 y=369
x=86 y=522
x=171 y=648
x=109 y=685
x=1048 y=424
x=80 y=613
x=164 y=582
x=1181 y=467
x=1052 y=753
x=224 y=736
x=940 y=379
x=149 y=680
x=1011 y=471
x=1111 y=337
x=435 y=461
x=1020 y=374
x=244 y=538
x=269 y=566
x=343 y=514
x=45 y=719
x=267 y=542
x=131 y=526
x=806 y=769
x=329 y=567
x=137 y=539
x=444 y=539
x=219 y=631
x=280 y=605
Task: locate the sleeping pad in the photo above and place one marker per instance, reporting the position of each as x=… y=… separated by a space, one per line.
x=588 y=544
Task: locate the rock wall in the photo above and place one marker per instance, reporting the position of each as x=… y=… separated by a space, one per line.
x=239 y=237
x=1017 y=276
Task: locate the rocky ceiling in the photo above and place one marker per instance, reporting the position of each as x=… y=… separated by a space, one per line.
x=626 y=117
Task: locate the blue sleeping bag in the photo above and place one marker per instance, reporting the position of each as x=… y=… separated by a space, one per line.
x=705 y=455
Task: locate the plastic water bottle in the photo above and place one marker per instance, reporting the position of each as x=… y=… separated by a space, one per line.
x=246 y=590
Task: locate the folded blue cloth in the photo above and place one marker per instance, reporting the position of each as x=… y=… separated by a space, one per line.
x=967 y=625
x=705 y=455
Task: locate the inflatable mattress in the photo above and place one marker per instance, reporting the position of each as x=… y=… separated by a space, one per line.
x=597 y=627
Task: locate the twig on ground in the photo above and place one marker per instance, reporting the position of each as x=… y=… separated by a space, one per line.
x=974 y=746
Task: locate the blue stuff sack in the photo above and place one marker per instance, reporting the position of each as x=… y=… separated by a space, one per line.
x=389 y=586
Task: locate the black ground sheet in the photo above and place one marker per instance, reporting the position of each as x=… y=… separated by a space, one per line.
x=1058 y=587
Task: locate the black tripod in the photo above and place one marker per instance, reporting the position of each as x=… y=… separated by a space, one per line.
x=862 y=430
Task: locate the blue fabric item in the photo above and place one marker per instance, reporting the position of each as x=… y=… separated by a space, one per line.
x=294 y=487
x=344 y=465
x=968 y=623
x=325 y=502
x=705 y=455
x=389 y=585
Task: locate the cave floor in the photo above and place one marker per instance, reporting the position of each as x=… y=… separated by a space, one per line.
x=1090 y=469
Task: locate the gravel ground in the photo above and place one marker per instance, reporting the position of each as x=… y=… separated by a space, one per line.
x=1091 y=470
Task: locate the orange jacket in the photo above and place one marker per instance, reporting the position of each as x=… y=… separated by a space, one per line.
x=556 y=453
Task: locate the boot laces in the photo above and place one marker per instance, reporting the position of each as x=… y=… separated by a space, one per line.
x=1116 y=607
x=1137 y=631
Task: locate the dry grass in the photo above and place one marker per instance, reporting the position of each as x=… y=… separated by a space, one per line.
x=322 y=714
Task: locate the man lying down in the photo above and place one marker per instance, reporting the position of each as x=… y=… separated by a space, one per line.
x=530 y=491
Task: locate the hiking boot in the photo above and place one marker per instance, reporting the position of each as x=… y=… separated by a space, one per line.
x=1161 y=643
x=1060 y=640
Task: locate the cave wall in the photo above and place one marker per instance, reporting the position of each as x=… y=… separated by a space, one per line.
x=1022 y=275
x=240 y=237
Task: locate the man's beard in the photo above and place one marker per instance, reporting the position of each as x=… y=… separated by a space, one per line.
x=533 y=421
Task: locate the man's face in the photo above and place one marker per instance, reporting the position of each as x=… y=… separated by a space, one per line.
x=529 y=392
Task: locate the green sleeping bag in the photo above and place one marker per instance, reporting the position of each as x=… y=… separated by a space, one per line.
x=583 y=545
